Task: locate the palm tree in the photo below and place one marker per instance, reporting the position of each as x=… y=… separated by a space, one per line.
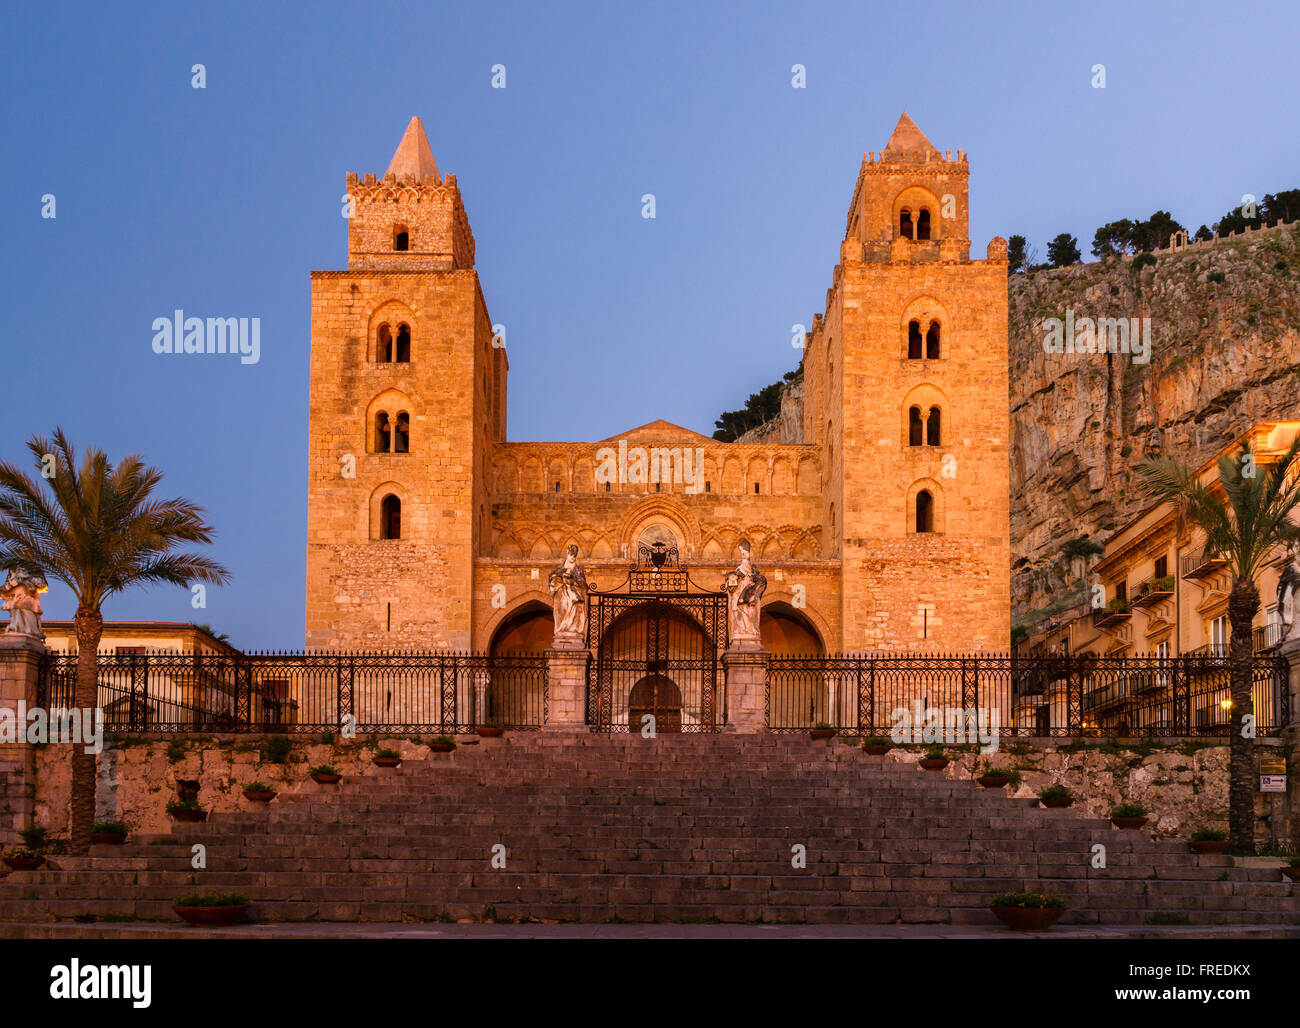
x=1244 y=522
x=96 y=527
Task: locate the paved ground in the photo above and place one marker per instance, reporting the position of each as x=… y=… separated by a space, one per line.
x=64 y=930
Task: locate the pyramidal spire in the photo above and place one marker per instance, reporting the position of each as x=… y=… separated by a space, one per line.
x=907 y=139
x=413 y=156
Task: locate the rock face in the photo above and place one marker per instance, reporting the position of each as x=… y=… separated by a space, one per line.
x=1225 y=355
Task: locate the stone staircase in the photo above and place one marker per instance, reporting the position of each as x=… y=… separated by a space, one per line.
x=680 y=829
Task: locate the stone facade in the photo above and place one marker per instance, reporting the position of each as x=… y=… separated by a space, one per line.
x=413 y=427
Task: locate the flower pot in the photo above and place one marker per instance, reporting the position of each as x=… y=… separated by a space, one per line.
x=192 y=816
x=441 y=747
x=1028 y=919
x=212 y=917
x=1210 y=845
x=878 y=749
x=387 y=761
x=108 y=838
x=934 y=763
x=1058 y=801
x=1128 y=822
x=260 y=795
x=993 y=781
x=24 y=863
x=489 y=733
x=822 y=733
x=1292 y=872
x=324 y=779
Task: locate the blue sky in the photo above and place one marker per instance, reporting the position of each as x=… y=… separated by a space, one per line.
x=220 y=201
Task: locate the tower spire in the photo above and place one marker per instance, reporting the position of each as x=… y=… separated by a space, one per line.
x=413 y=156
x=907 y=139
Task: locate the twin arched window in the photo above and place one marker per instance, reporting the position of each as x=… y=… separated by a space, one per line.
x=390 y=349
x=919 y=346
x=392 y=434
x=914 y=228
x=924 y=430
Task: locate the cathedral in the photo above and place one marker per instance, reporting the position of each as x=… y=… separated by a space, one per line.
x=885 y=528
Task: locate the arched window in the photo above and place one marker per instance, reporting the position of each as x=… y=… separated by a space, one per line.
x=924 y=511
x=402 y=433
x=905 y=223
x=403 y=354
x=932 y=427
x=932 y=341
x=384 y=344
x=914 y=426
x=383 y=433
x=923 y=223
x=390 y=518
x=401 y=238
x=914 y=340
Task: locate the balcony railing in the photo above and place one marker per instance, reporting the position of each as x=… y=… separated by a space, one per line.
x=1117 y=613
x=1194 y=565
x=1267 y=637
x=1153 y=591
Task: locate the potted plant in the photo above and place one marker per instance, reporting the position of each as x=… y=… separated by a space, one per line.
x=325 y=774
x=934 y=760
x=186 y=810
x=259 y=792
x=823 y=730
x=1027 y=911
x=213 y=909
x=998 y=777
x=23 y=858
x=109 y=833
x=491 y=730
x=1055 y=796
x=1128 y=815
x=877 y=745
x=386 y=758
x=1209 y=840
x=1292 y=870
x=442 y=744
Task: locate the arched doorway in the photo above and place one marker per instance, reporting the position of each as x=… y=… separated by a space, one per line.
x=658 y=697
x=512 y=692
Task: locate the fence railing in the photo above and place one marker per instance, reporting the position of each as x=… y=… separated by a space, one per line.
x=400 y=693
x=1027 y=696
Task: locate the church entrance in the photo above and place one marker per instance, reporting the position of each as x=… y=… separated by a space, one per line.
x=657 y=643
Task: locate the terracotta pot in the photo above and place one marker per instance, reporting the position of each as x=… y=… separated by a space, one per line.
x=441 y=747
x=1210 y=845
x=993 y=781
x=823 y=733
x=108 y=838
x=323 y=779
x=489 y=733
x=878 y=749
x=1028 y=919
x=24 y=863
x=211 y=916
x=1128 y=822
x=387 y=761
x=1292 y=872
x=1058 y=801
x=260 y=795
x=934 y=763
x=192 y=816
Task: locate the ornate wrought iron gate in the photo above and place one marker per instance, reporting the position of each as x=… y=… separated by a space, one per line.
x=657 y=639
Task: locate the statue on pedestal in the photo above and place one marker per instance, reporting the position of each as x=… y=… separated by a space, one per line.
x=21 y=595
x=569 y=588
x=744 y=588
x=1288 y=584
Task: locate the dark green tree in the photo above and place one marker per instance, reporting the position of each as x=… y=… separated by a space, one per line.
x=1063 y=250
x=1016 y=254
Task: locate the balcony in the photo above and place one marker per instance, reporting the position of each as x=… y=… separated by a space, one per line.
x=1106 y=696
x=1266 y=638
x=1153 y=591
x=1116 y=613
x=1197 y=566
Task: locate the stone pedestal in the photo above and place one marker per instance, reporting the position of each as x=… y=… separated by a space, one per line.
x=567 y=689
x=746 y=679
x=20 y=664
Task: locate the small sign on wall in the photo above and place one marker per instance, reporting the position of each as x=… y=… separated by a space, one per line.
x=1272 y=774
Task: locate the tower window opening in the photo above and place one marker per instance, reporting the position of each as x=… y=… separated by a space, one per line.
x=401 y=238
x=403 y=355
x=905 y=228
x=914 y=341
x=384 y=345
x=923 y=223
x=924 y=511
x=914 y=426
x=755 y=487
x=402 y=433
x=383 y=433
x=932 y=424
x=557 y=487
x=932 y=341
x=390 y=518
x=606 y=487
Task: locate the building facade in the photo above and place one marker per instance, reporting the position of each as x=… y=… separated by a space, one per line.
x=886 y=528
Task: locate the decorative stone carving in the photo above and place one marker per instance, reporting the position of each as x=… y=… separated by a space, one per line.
x=569 y=589
x=744 y=588
x=21 y=596
x=1288 y=584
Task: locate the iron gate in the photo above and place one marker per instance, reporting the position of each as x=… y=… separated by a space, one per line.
x=657 y=640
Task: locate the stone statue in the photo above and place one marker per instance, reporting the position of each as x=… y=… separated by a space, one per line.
x=1288 y=584
x=744 y=588
x=569 y=587
x=21 y=596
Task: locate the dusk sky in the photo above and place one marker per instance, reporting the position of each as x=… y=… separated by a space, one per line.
x=220 y=201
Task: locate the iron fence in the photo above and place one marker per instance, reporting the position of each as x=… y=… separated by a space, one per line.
x=1081 y=695
x=393 y=693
